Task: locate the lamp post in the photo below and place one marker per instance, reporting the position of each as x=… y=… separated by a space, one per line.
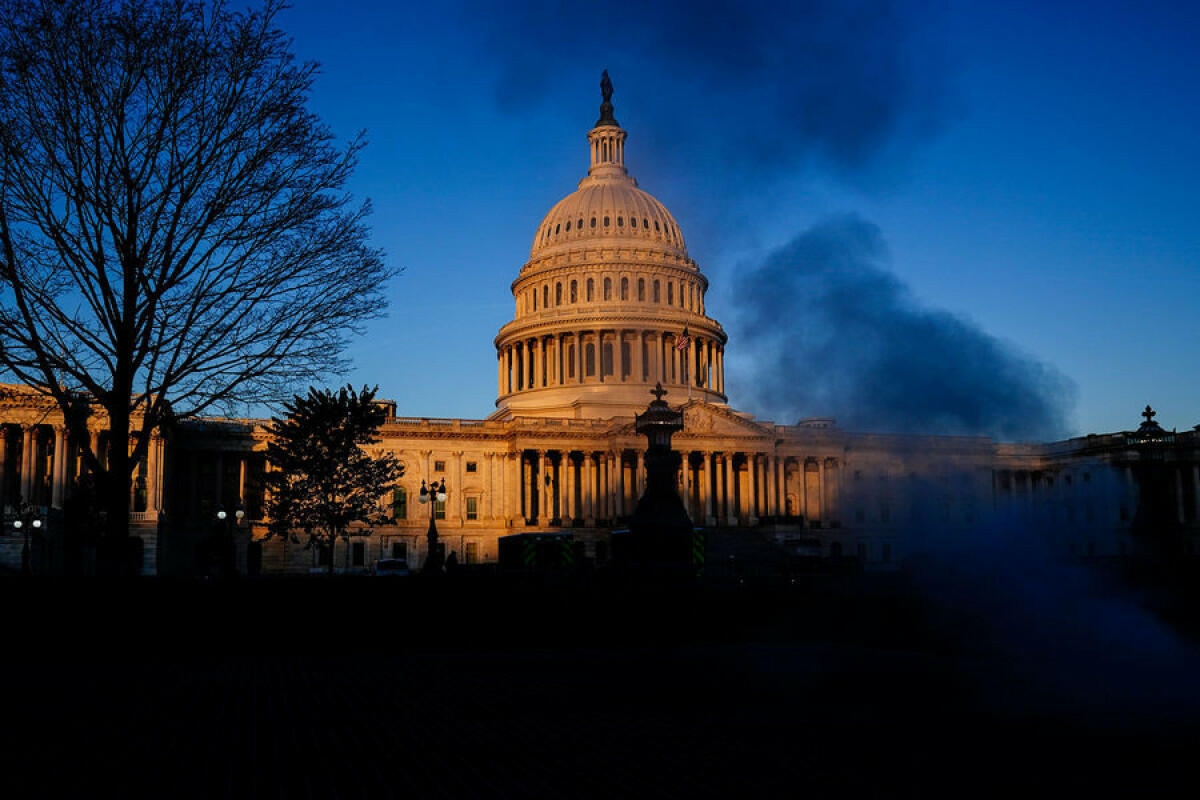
x=433 y=494
x=228 y=523
x=27 y=522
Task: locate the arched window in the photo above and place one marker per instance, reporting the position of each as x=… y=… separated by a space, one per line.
x=558 y=294
x=624 y=288
x=591 y=290
x=545 y=297
x=589 y=359
x=657 y=297
x=608 y=288
x=570 y=361
x=574 y=291
x=642 y=289
x=606 y=359
x=670 y=293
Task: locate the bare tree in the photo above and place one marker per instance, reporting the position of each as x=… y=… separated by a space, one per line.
x=175 y=235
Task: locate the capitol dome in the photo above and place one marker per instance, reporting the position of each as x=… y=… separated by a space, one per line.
x=608 y=209
x=609 y=303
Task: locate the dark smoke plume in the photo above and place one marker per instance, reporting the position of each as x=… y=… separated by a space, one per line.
x=741 y=88
x=829 y=331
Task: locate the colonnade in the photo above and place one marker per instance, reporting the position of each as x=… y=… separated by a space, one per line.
x=609 y=355
x=721 y=488
x=39 y=465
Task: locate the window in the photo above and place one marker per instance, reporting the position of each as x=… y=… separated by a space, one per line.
x=606 y=222
x=642 y=289
x=439 y=466
x=657 y=297
x=558 y=294
x=624 y=288
x=579 y=224
x=399 y=503
x=358 y=554
x=472 y=466
x=620 y=222
x=570 y=361
x=625 y=359
x=568 y=226
x=591 y=290
x=574 y=291
x=471 y=552
x=545 y=296
x=606 y=359
x=589 y=358
x=439 y=509
x=472 y=508
x=400 y=550
x=670 y=293
x=608 y=288
x=593 y=222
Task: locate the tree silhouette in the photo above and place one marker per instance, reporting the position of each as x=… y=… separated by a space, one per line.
x=175 y=238
x=322 y=479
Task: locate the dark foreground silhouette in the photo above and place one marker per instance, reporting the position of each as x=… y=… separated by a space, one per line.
x=473 y=686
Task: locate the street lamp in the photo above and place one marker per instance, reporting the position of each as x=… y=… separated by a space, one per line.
x=227 y=545
x=28 y=523
x=435 y=492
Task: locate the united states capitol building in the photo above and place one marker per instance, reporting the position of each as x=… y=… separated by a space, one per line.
x=609 y=305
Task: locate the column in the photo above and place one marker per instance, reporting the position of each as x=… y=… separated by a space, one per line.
x=526 y=485
x=58 y=476
x=603 y=501
x=639 y=476
x=543 y=490
x=728 y=491
x=620 y=487
x=589 y=492
x=685 y=483
x=639 y=358
x=27 y=446
x=752 y=488
x=706 y=489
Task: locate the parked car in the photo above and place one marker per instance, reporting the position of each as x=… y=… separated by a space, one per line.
x=390 y=566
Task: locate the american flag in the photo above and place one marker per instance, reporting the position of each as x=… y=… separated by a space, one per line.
x=683 y=341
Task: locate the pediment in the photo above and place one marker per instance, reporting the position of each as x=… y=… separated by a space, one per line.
x=705 y=419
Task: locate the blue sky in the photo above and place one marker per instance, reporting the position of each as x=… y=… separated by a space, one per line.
x=1027 y=170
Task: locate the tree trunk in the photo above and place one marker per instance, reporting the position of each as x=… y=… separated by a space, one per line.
x=114 y=482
